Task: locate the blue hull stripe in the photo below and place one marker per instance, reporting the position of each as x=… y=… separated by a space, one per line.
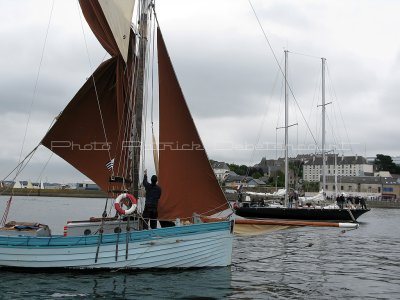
x=135 y=236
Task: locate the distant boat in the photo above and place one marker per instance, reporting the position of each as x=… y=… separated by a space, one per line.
x=271 y=206
x=304 y=213
x=282 y=210
x=98 y=133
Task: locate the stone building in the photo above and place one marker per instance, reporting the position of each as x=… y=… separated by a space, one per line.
x=346 y=166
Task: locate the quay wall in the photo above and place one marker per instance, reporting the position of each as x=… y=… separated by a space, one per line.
x=54 y=193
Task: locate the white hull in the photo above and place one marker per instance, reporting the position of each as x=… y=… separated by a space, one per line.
x=199 y=245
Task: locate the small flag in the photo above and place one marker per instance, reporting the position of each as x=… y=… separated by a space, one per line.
x=110 y=164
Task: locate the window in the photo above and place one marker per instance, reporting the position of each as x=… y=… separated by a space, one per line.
x=341 y=188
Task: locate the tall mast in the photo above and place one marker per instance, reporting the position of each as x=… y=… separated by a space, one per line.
x=286 y=129
x=336 y=189
x=324 y=104
x=323 y=128
x=139 y=95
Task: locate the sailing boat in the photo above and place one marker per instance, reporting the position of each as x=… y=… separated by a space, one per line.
x=327 y=213
x=99 y=133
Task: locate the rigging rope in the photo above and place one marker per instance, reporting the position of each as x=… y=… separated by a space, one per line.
x=155 y=153
x=130 y=95
x=340 y=110
x=39 y=178
x=283 y=73
x=317 y=90
x=266 y=109
x=307 y=55
x=95 y=87
x=36 y=83
x=278 y=119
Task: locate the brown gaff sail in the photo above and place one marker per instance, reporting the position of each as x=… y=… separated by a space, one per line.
x=188 y=182
x=95 y=125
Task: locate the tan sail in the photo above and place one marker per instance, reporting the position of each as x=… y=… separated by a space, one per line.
x=187 y=180
x=119 y=17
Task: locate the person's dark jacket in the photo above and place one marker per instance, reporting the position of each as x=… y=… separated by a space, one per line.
x=153 y=194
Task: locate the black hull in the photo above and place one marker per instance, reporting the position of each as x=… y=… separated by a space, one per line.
x=300 y=213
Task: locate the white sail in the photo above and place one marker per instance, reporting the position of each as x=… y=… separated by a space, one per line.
x=119 y=17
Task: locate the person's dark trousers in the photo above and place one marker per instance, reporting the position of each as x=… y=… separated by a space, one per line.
x=150 y=213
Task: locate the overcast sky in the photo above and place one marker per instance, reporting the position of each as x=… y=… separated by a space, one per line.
x=227 y=71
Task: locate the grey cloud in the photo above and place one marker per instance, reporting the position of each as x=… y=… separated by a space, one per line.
x=226 y=71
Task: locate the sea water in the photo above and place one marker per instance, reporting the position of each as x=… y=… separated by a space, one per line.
x=296 y=263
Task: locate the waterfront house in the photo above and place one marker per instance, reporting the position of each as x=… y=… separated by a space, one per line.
x=390 y=188
x=234 y=180
x=87 y=185
x=379 y=187
x=347 y=166
x=221 y=170
x=256 y=183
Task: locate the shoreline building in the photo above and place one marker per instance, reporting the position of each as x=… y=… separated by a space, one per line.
x=352 y=166
x=221 y=170
x=378 y=188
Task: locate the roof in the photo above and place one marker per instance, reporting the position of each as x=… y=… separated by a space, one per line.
x=258 y=181
x=390 y=180
x=341 y=160
x=220 y=165
x=264 y=178
x=233 y=178
x=270 y=162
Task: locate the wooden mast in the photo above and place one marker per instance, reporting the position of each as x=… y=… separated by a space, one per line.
x=139 y=96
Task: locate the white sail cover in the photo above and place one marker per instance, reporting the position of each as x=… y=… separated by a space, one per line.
x=119 y=17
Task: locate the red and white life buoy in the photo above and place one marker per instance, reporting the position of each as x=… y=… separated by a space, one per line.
x=122 y=211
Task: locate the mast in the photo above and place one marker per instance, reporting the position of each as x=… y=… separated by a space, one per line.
x=335 y=175
x=324 y=104
x=286 y=129
x=139 y=96
x=323 y=128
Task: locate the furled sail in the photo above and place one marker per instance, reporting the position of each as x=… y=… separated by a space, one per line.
x=187 y=180
x=92 y=131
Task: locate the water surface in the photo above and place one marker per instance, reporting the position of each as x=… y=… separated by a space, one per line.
x=297 y=263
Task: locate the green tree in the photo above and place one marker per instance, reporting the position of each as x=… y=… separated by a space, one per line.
x=240 y=170
x=297 y=167
x=256 y=175
x=311 y=186
x=279 y=179
x=385 y=163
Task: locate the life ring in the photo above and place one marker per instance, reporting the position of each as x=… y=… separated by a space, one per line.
x=118 y=207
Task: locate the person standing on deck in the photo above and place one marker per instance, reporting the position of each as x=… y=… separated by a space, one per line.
x=341 y=201
x=240 y=193
x=363 y=203
x=291 y=197
x=153 y=194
